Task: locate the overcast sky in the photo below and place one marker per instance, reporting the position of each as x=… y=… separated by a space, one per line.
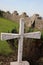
x=28 y=6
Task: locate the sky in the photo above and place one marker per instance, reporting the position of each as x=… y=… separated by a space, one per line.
x=29 y=6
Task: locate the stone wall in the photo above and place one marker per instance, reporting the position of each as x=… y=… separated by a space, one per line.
x=28 y=20
x=38 y=21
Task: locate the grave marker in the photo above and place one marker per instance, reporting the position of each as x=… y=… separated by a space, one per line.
x=21 y=35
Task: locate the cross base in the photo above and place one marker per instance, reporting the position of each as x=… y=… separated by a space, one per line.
x=19 y=63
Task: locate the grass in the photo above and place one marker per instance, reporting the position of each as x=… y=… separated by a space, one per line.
x=5 y=48
x=5 y=26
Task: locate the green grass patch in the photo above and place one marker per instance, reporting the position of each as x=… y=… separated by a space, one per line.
x=6 y=26
x=5 y=48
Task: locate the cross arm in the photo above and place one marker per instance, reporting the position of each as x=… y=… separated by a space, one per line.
x=7 y=36
x=35 y=35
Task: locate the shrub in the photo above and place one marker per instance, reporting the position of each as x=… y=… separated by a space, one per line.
x=30 y=29
x=1 y=13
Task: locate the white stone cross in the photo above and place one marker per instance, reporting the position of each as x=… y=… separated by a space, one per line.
x=21 y=35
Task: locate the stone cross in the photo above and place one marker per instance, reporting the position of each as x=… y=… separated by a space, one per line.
x=21 y=35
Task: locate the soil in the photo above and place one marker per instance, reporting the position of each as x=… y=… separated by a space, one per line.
x=5 y=60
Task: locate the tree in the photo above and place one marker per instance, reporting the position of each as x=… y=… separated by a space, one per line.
x=1 y=13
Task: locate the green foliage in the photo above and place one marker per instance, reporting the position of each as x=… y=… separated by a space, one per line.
x=1 y=13
x=30 y=29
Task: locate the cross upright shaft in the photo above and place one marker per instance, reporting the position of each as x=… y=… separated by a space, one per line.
x=20 y=45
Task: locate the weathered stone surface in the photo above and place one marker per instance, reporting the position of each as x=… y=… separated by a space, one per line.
x=20 y=63
x=38 y=21
x=28 y=20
